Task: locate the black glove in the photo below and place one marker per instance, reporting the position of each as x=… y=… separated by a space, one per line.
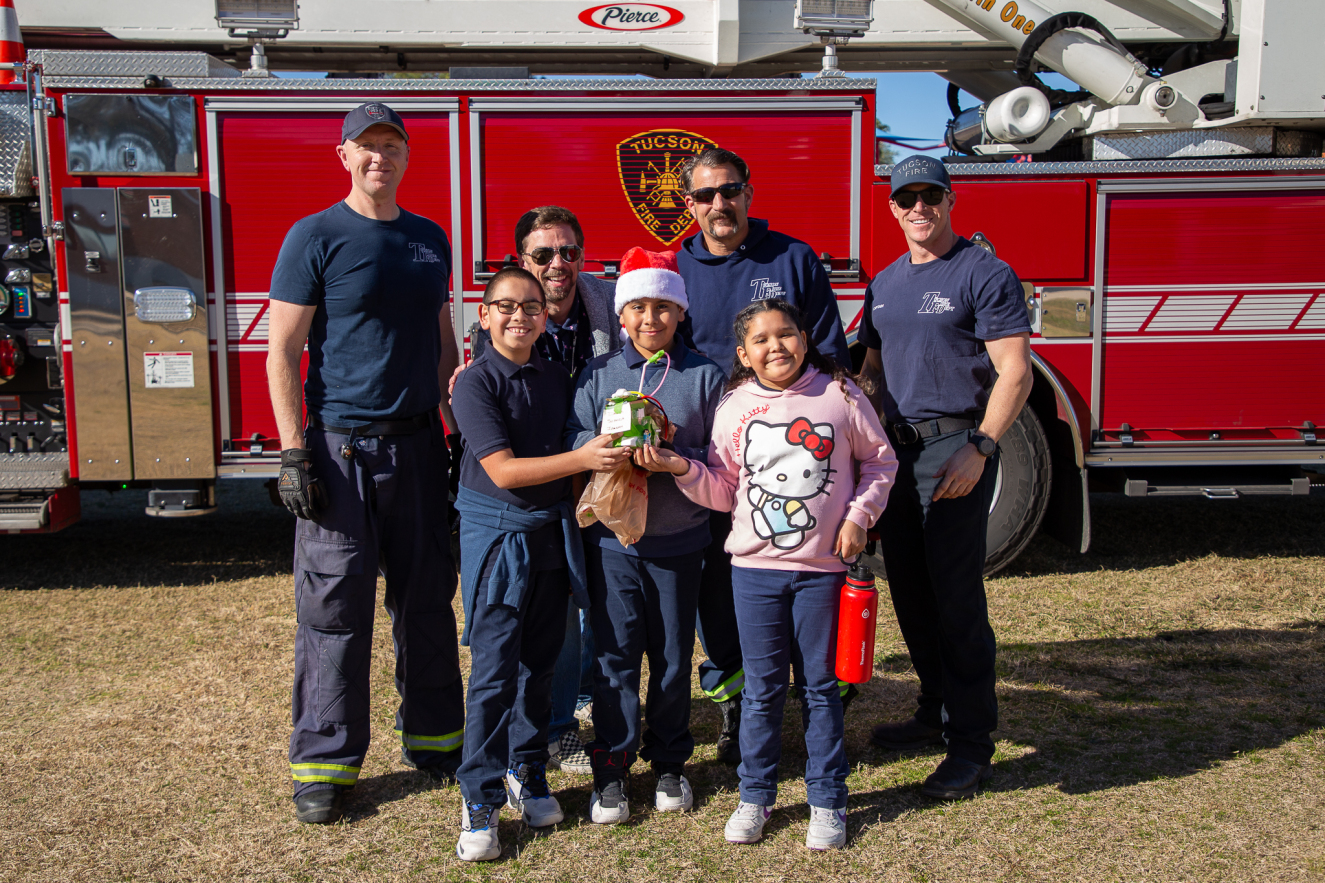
x=301 y=493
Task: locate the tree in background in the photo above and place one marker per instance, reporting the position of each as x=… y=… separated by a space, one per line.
x=884 y=154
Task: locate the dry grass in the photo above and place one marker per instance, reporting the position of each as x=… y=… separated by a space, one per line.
x=1163 y=706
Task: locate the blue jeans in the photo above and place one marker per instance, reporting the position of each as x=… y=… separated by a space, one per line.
x=572 y=679
x=786 y=618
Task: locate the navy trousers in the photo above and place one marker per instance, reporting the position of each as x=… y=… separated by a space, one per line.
x=512 y=655
x=643 y=606
x=721 y=675
x=789 y=617
x=386 y=513
x=935 y=554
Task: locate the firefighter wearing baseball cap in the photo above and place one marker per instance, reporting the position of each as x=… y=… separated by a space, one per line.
x=364 y=283
x=947 y=341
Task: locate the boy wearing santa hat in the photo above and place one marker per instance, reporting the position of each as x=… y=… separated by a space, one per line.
x=643 y=596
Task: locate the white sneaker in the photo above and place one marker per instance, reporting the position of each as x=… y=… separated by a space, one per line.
x=478 y=832
x=609 y=806
x=527 y=791
x=746 y=825
x=673 y=793
x=828 y=828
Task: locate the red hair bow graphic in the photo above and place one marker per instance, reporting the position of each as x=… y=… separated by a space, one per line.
x=801 y=432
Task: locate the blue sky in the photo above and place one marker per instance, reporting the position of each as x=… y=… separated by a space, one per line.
x=915 y=105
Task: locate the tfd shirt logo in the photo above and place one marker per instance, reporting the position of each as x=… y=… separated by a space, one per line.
x=423 y=254
x=935 y=304
x=766 y=289
x=650 y=167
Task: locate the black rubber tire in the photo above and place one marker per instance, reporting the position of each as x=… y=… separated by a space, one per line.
x=1022 y=492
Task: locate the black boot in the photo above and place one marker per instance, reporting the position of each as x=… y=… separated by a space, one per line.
x=729 y=740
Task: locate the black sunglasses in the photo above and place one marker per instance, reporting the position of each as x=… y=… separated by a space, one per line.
x=907 y=198
x=704 y=195
x=543 y=256
x=508 y=307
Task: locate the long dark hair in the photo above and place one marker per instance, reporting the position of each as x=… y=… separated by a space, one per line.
x=741 y=327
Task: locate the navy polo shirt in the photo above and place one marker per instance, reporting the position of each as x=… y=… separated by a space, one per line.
x=378 y=286
x=930 y=322
x=499 y=404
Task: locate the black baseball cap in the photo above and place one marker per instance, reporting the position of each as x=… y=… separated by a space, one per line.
x=920 y=169
x=370 y=114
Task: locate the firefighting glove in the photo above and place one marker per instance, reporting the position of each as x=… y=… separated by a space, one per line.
x=301 y=493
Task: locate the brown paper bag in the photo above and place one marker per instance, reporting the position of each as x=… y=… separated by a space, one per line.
x=619 y=499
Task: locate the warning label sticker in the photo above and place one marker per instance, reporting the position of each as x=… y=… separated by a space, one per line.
x=160 y=207
x=168 y=370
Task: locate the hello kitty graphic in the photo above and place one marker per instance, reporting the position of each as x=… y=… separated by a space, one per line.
x=788 y=465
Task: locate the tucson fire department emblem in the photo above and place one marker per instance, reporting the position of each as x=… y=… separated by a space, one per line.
x=650 y=167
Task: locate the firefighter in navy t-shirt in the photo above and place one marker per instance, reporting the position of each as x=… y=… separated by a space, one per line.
x=365 y=284
x=731 y=262
x=947 y=341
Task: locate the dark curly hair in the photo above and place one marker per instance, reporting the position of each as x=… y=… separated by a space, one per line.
x=741 y=327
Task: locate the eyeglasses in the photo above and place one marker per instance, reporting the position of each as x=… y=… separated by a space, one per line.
x=508 y=307
x=704 y=195
x=907 y=198
x=543 y=256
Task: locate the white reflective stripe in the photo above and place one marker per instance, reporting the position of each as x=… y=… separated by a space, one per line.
x=1315 y=317
x=9 y=32
x=1127 y=313
x=1179 y=313
x=1270 y=311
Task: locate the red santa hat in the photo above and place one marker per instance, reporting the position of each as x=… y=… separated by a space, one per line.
x=650 y=274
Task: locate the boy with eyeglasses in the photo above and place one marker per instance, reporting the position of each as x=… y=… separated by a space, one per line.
x=520 y=555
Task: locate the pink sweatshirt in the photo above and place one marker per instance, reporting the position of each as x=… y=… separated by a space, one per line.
x=772 y=462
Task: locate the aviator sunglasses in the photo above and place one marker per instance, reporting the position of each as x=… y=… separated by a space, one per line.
x=907 y=198
x=704 y=195
x=543 y=256
x=508 y=307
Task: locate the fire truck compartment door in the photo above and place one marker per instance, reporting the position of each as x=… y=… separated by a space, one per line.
x=165 y=330
x=96 y=330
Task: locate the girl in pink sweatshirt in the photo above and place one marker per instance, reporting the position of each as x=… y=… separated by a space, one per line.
x=799 y=459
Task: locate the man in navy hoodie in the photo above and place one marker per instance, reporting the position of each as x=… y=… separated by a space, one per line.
x=731 y=262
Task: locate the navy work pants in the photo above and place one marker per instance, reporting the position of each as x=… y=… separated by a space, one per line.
x=385 y=512
x=512 y=654
x=720 y=675
x=642 y=606
x=935 y=555
x=789 y=617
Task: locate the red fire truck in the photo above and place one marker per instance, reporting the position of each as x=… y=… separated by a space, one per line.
x=1177 y=301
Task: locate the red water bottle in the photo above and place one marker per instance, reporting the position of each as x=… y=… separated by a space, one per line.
x=856 y=621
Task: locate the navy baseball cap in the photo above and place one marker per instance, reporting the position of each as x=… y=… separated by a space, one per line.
x=920 y=169
x=370 y=114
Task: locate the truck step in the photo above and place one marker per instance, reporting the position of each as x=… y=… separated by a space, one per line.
x=1140 y=487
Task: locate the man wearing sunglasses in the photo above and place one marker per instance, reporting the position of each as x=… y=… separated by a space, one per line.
x=947 y=342
x=731 y=262
x=365 y=284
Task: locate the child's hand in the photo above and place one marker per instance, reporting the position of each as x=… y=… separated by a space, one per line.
x=850 y=540
x=598 y=454
x=657 y=459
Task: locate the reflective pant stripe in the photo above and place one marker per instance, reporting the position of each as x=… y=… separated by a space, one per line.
x=449 y=742
x=728 y=689
x=842 y=687
x=334 y=773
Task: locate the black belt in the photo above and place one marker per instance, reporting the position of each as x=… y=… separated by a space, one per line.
x=408 y=426
x=911 y=433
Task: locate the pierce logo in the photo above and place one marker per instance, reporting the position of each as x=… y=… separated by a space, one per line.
x=650 y=167
x=631 y=17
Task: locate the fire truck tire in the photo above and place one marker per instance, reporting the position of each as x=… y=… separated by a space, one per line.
x=1021 y=492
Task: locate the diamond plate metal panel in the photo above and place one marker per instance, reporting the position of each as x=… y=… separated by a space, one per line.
x=128 y=63
x=28 y=472
x=15 y=145
x=1243 y=141
x=1127 y=167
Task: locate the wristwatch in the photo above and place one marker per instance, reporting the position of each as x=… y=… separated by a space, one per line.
x=985 y=445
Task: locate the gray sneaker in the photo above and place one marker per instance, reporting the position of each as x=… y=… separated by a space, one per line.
x=746 y=825
x=828 y=828
x=567 y=754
